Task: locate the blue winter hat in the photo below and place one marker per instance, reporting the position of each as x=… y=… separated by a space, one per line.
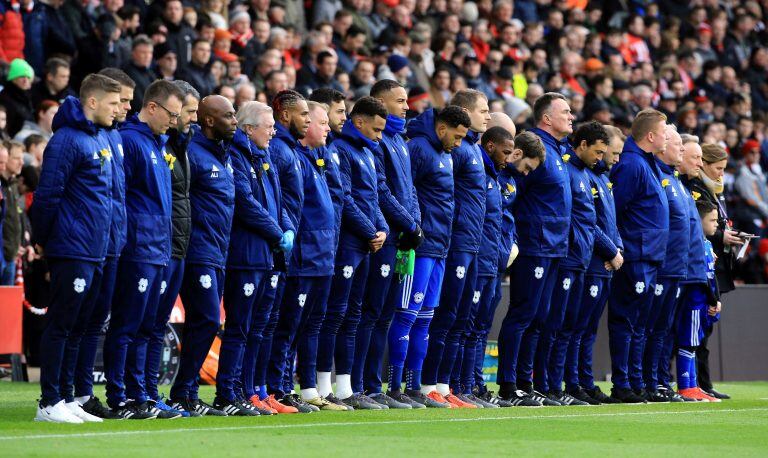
x=397 y=62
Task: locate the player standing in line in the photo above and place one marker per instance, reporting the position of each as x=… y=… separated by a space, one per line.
x=432 y=136
x=642 y=216
x=579 y=381
x=146 y=253
x=542 y=217
x=212 y=196
x=72 y=213
x=672 y=272
x=457 y=293
x=399 y=204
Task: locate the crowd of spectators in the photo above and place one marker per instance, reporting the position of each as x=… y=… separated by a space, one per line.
x=704 y=63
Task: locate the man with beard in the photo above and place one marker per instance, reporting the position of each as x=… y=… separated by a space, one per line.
x=212 y=198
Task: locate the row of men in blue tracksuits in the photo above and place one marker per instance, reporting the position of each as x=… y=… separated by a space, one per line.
x=576 y=230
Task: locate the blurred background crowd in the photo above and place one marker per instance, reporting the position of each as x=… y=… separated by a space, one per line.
x=703 y=62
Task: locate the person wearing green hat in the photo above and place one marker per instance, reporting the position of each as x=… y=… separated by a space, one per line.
x=15 y=96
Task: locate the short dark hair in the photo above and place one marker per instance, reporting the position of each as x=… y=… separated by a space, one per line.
x=186 y=89
x=32 y=140
x=704 y=206
x=531 y=145
x=354 y=31
x=544 y=103
x=128 y=11
x=97 y=83
x=199 y=40
x=285 y=100
x=141 y=40
x=497 y=135
x=119 y=76
x=53 y=65
x=453 y=116
x=591 y=132
x=322 y=56
x=160 y=91
x=327 y=96
x=467 y=98
x=369 y=107
x=381 y=87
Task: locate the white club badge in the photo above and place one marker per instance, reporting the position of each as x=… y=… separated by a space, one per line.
x=567 y=283
x=639 y=287
x=385 y=268
x=273 y=281
x=143 y=282
x=163 y=286
x=538 y=273
x=460 y=272
x=593 y=290
x=248 y=289
x=347 y=272
x=476 y=297
x=418 y=298
x=79 y=285
x=659 y=290
x=302 y=300
x=205 y=281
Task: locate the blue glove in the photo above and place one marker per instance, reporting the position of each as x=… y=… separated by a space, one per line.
x=286 y=243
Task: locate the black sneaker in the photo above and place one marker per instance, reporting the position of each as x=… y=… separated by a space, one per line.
x=96 y=408
x=163 y=411
x=670 y=395
x=134 y=411
x=233 y=408
x=520 y=398
x=566 y=399
x=716 y=394
x=626 y=396
x=479 y=401
x=399 y=396
x=362 y=402
x=583 y=396
x=597 y=394
x=490 y=398
x=392 y=403
x=206 y=410
x=294 y=400
x=655 y=397
x=184 y=406
x=420 y=398
x=334 y=400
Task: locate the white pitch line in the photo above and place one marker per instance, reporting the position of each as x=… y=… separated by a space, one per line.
x=362 y=423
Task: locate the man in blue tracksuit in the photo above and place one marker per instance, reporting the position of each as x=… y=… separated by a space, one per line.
x=181 y=227
x=671 y=273
x=363 y=230
x=84 y=340
x=432 y=137
x=71 y=214
x=398 y=203
x=452 y=315
x=642 y=215
x=147 y=249
x=212 y=196
x=310 y=269
x=542 y=215
x=259 y=227
x=591 y=141
x=579 y=381
x=501 y=159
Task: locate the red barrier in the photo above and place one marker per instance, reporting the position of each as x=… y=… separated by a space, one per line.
x=11 y=300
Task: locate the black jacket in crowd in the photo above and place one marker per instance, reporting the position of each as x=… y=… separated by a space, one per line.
x=12 y=226
x=18 y=105
x=181 y=211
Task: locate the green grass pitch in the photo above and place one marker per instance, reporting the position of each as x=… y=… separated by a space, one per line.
x=735 y=428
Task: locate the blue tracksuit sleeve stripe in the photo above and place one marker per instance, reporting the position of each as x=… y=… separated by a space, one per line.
x=388 y=205
x=352 y=217
x=249 y=211
x=57 y=168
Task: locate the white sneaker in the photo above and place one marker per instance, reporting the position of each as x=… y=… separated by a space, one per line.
x=77 y=410
x=57 y=413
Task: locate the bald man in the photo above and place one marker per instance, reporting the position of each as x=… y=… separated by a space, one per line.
x=501 y=119
x=212 y=196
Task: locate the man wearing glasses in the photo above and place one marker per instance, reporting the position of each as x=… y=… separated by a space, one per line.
x=146 y=253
